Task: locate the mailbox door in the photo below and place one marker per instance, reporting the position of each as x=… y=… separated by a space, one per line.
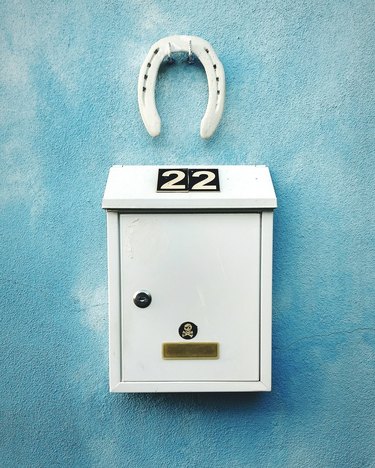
x=202 y=268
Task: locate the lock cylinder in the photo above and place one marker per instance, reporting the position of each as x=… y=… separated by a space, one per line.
x=142 y=299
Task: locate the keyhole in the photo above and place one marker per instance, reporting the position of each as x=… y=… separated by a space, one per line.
x=142 y=299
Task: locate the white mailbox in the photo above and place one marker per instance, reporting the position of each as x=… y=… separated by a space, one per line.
x=190 y=278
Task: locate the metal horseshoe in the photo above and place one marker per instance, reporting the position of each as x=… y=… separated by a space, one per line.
x=215 y=77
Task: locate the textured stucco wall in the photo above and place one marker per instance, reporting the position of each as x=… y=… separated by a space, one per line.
x=300 y=80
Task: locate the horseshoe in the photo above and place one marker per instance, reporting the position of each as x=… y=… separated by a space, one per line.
x=149 y=71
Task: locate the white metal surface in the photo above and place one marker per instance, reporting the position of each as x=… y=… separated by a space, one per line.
x=133 y=187
x=192 y=262
x=149 y=71
x=200 y=268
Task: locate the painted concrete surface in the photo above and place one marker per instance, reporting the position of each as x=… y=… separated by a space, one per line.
x=300 y=83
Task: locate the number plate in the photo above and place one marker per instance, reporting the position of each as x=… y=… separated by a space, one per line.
x=201 y=180
x=188 y=180
x=173 y=180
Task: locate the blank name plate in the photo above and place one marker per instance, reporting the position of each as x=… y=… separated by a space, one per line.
x=190 y=350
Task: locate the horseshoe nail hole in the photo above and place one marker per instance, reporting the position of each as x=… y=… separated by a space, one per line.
x=217 y=78
x=144 y=89
x=218 y=92
x=149 y=65
x=156 y=51
x=145 y=77
x=215 y=67
x=206 y=50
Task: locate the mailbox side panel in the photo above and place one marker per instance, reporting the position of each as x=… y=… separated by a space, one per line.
x=266 y=299
x=114 y=298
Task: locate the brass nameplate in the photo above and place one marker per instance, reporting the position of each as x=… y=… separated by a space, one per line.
x=190 y=350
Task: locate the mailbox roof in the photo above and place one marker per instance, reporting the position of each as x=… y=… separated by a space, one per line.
x=241 y=187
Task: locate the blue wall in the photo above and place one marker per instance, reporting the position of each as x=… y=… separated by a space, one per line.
x=300 y=87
